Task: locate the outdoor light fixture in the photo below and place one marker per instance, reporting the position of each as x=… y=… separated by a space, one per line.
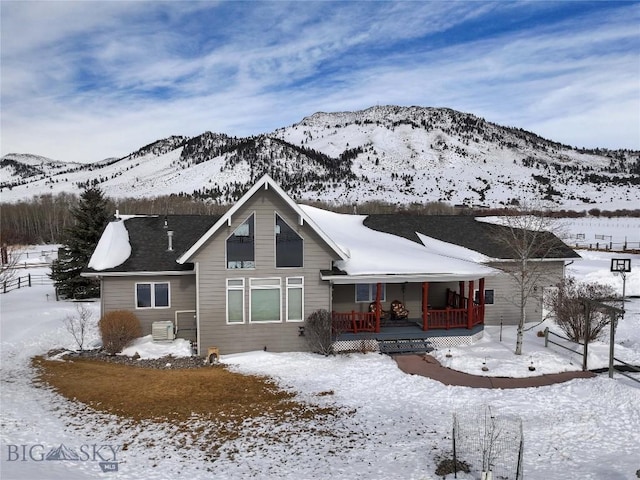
x=484 y=366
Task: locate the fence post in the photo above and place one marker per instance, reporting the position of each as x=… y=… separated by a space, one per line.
x=18 y=283
x=546 y=337
x=4 y=287
x=29 y=279
x=455 y=458
x=587 y=333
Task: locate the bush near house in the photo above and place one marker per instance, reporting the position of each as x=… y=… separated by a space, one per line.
x=318 y=332
x=118 y=329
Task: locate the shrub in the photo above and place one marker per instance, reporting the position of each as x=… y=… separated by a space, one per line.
x=569 y=303
x=318 y=332
x=79 y=324
x=118 y=329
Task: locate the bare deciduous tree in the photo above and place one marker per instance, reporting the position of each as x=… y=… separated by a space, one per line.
x=79 y=323
x=530 y=240
x=579 y=319
x=9 y=260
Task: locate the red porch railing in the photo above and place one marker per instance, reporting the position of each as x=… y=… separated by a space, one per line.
x=455 y=317
x=455 y=300
x=353 y=322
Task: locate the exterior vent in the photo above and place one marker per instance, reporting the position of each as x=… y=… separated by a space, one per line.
x=170 y=239
x=162 y=331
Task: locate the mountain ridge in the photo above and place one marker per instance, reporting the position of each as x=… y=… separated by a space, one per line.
x=390 y=153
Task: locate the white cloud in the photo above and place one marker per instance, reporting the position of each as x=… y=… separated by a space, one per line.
x=87 y=80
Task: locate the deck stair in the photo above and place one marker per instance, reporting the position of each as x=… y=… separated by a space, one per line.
x=413 y=345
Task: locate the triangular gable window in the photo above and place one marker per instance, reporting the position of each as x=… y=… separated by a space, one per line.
x=289 y=245
x=241 y=245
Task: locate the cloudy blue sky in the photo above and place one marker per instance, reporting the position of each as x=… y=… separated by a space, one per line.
x=82 y=81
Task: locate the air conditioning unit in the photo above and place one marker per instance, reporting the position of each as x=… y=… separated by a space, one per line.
x=162 y=331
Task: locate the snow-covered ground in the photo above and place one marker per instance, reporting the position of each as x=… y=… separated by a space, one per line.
x=396 y=427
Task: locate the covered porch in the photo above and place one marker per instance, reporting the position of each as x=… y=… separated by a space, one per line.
x=456 y=305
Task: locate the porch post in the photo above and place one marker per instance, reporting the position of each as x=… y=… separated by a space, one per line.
x=481 y=299
x=425 y=306
x=470 y=306
x=378 y=306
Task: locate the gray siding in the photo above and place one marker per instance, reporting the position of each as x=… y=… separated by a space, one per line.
x=507 y=293
x=212 y=274
x=118 y=293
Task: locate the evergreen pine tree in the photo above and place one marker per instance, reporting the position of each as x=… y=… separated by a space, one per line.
x=91 y=216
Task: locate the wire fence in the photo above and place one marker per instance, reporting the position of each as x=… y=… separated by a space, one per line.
x=491 y=445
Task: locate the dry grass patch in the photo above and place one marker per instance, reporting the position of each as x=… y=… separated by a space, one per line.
x=178 y=394
x=195 y=409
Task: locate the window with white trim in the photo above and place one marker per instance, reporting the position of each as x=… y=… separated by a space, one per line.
x=295 y=299
x=235 y=300
x=153 y=295
x=241 y=245
x=366 y=292
x=289 y=245
x=264 y=303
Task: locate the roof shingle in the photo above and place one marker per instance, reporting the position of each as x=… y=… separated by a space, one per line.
x=149 y=242
x=462 y=230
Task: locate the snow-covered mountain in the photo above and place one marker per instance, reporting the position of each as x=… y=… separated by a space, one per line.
x=395 y=154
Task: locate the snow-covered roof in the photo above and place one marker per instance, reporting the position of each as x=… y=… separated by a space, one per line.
x=148 y=240
x=113 y=248
x=377 y=255
x=387 y=248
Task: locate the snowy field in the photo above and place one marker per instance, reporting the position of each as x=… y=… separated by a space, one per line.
x=397 y=427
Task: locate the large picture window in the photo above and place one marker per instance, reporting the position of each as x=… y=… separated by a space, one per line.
x=366 y=292
x=295 y=299
x=289 y=245
x=264 y=305
x=241 y=245
x=152 y=295
x=235 y=300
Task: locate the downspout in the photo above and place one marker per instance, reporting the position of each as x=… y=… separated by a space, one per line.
x=198 y=342
x=101 y=296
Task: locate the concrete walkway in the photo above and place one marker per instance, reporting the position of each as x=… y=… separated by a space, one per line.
x=427 y=366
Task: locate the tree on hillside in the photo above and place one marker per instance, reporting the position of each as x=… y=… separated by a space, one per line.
x=529 y=238
x=90 y=218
